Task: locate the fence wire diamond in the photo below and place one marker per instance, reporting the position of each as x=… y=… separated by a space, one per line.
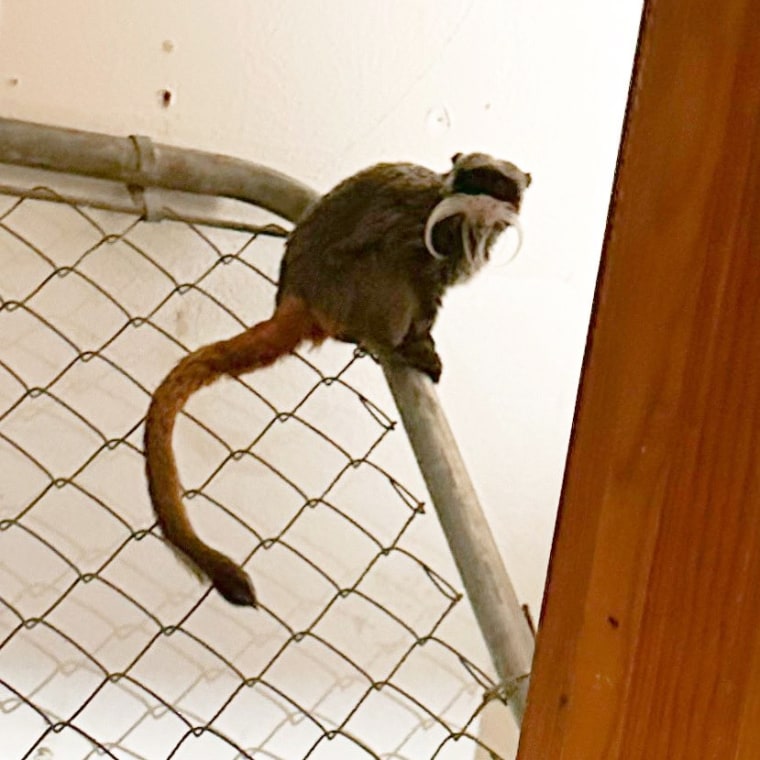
x=107 y=646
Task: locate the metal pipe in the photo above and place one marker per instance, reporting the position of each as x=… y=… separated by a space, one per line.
x=139 y=161
x=501 y=619
x=156 y=214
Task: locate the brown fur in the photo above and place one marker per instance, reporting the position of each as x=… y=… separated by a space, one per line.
x=355 y=268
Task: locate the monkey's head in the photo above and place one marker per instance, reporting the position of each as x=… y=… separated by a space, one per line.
x=481 y=197
x=481 y=174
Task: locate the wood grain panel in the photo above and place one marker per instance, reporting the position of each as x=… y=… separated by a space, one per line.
x=650 y=637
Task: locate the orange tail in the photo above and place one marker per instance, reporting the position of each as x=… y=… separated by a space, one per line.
x=257 y=347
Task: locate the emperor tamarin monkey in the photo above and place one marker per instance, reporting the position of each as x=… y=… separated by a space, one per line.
x=369 y=264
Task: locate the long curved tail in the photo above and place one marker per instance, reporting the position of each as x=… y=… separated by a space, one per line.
x=257 y=347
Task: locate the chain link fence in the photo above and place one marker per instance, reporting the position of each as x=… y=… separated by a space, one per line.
x=363 y=646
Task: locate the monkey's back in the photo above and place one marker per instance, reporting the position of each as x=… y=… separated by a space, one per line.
x=358 y=256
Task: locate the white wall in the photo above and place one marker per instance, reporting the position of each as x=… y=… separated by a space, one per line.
x=320 y=89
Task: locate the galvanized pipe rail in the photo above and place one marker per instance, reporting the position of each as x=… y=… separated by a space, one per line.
x=142 y=164
x=139 y=162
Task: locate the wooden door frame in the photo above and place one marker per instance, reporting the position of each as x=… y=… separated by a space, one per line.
x=649 y=646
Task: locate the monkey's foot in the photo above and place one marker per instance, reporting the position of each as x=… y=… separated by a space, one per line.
x=421 y=355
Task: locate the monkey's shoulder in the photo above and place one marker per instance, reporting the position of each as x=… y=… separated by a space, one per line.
x=397 y=176
x=384 y=206
x=378 y=188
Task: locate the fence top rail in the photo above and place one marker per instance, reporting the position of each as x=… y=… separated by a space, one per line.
x=140 y=162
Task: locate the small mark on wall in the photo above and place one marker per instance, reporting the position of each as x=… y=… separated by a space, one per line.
x=438 y=120
x=166 y=98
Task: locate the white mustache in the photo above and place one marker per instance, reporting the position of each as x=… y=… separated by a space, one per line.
x=481 y=214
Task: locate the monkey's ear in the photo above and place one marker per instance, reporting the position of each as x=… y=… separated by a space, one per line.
x=528 y=179
x=456 y=157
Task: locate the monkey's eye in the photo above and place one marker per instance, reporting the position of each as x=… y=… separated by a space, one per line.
x=486 y=181
x=456 y=157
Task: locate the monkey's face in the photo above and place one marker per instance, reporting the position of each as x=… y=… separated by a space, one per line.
x=481 y=197
x=481 y=174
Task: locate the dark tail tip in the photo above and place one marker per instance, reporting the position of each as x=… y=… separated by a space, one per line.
x=233 y=583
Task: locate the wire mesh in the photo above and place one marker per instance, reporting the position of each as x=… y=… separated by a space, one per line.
x=108 y=647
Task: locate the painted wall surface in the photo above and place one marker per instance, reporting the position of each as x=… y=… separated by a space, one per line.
x=319 y=90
